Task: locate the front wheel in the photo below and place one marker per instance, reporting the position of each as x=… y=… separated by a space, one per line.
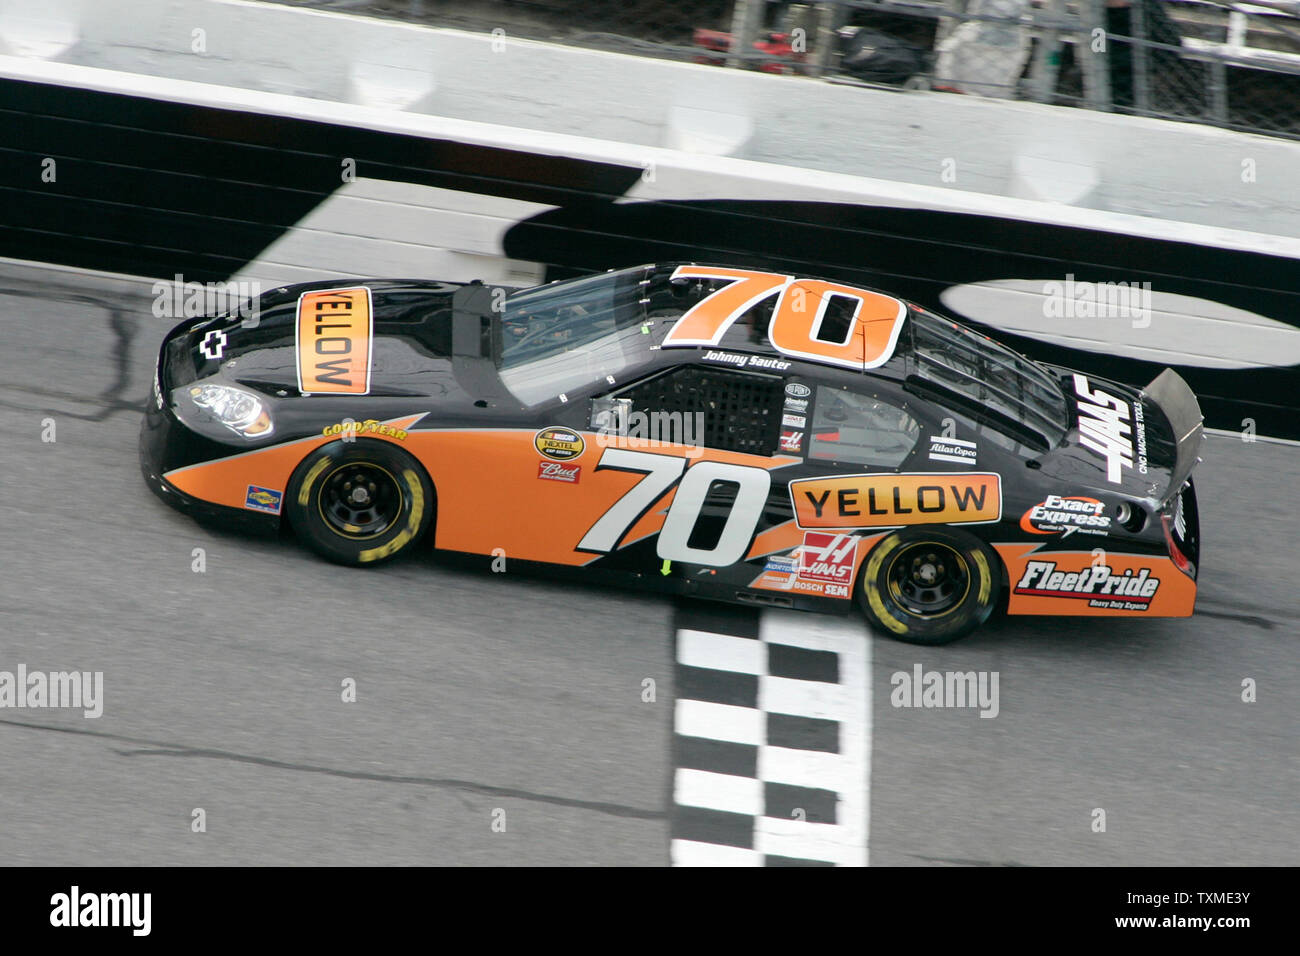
x=928 y=586
x=360 y=502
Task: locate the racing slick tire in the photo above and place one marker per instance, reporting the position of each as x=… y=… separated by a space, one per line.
x=929 y=585
x=360 y=502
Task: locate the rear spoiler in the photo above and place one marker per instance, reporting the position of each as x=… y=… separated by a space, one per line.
x=1178 y=404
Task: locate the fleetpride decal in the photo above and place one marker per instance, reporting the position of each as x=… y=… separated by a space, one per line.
x=333 y=339
x=882 y=501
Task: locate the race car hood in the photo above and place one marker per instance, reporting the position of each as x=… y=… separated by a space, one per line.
x=1142 y=443
x=397 y=337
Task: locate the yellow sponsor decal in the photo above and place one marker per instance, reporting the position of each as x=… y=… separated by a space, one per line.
x=370 y=426
x=886 y=500
x=560 y=444
x=334 y=337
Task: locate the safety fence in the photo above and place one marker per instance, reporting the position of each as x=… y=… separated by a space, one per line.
x=1234 y=65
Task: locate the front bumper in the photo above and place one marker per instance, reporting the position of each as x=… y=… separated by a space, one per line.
x=165 y=445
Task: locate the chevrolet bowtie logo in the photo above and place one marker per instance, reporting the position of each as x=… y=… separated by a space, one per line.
x=213 y=344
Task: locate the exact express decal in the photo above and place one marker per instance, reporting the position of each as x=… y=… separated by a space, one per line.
x=1100 y=584
x=797 y=317
x=1105 y=427
x=560 y=444
x=333 y=338
x=1064 y=516
x=888 y=500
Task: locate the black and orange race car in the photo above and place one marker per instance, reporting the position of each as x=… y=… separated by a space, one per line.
x=720 y=432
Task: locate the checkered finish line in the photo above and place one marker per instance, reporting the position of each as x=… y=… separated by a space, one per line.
x=771 y=738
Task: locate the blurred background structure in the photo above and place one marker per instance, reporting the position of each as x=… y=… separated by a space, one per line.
x=1233 y=65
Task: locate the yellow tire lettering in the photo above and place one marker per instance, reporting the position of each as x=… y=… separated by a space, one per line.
x=873 y=593
x=384 y=550
x=986 y=576
x=304 y=492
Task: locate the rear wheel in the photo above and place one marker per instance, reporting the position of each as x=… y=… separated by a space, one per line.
x=928 y=586
x=360 y=502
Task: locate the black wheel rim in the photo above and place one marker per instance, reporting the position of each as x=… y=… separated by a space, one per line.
x=928 y=579
x=360 y=500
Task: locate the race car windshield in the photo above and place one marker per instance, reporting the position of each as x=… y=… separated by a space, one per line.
x=559 y=338
x=977 y=374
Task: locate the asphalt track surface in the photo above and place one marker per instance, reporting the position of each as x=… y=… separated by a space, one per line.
x=479 y=693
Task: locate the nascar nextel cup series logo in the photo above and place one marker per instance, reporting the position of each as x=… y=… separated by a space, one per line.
x=1099 y=583
x=559 y=444
x=1064 y=516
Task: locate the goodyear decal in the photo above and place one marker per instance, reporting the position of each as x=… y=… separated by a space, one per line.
x=333 y=340
x=559 y=444
x=888 y=500
x=370 y=426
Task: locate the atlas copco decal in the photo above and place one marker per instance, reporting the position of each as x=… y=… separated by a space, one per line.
x=1105 y=427
x=1099 y=584
x=1065 y=516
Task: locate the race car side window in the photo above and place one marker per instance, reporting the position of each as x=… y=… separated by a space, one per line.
x=714 y=407
x=860 y=429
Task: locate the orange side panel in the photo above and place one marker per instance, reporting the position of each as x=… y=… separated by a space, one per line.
x=226 y=480
x=1110 y=584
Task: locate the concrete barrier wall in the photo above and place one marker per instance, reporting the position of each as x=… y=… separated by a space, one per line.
x=133 y=174
x=964 y=144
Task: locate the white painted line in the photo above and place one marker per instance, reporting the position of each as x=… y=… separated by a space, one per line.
x=702 y=718
x=806 y=768
x=803 y=698
x=804 y=840
x=690 y=853
x=721 y=652
x=718 y=791
x=849 y=772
